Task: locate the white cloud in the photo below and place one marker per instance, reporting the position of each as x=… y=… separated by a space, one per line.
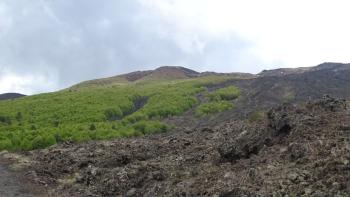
x=26 y=84
x=5 y=20
x=65 y=42
x=291 y=33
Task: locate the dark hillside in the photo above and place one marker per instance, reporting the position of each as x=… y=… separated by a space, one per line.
x=263 y=92
x=7 y=96
x=332 y=79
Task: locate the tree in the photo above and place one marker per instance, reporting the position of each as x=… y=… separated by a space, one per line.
x=5 y=144
x=113 y=114
x=92 y=127
x=33 y=127
x=43 y=141
x=19 y=116
x=26 y=144
x=5 y=119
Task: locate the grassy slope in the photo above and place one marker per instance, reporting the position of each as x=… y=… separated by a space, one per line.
x=218 y=101
x=96 y=112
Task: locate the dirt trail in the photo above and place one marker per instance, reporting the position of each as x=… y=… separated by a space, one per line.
x=11 y=184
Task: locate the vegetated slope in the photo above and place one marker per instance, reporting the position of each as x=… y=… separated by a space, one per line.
x=7 y=96
x=97 y=113
x=294 y=150
x=164 y=73
x=161 y=73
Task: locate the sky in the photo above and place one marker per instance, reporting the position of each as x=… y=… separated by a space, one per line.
x=48 y=45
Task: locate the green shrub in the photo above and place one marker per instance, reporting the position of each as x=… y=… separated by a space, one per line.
x=5 y=144
x=213 y=107
x=149 y=127
x=137 y=116
x=81 y=136
x=113 y=114
x=93 y=112
x=227 y=94
x=5 y=120
x=92 y=127
x=40 y=142
x=26 y=144
x=19 y=116
x=16 y=141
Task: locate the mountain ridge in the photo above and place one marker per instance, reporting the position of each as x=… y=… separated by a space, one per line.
x=6 y=96
x=179 y=72
x=287 y=71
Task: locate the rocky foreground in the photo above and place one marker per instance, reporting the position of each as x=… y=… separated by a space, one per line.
x=294 y=151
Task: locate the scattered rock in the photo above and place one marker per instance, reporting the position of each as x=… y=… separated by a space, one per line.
x=295 y=150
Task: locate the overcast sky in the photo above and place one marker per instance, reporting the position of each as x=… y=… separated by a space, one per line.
x=47 y=45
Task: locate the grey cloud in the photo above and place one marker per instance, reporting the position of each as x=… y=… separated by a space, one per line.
x=70 y=41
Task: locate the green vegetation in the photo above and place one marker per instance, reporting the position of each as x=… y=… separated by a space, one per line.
x=226 y=94
x=213 y=107
x=218 y=101
x=98 y=112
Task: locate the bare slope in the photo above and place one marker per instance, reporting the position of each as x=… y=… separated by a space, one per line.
x=260 y=93
x=287 y=71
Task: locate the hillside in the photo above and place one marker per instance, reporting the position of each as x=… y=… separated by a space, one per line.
x=98 y=113
x=300 y=150
x=162 y=132
x=157 y=101
x=164 y=73
x=260 y=93
x=161 y=73
x=287 y=71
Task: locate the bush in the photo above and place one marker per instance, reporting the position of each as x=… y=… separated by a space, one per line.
x=81 y=136
x=92 y=127
x=135 y=117
x=19 y=116
x=113 y=114
x=40 y=142
x=45 y=119
x=213 y=107
x=129 y=132
x=26 y=145
x=226 y=94
x=5 y=120
x=149 y=127
x=5 y=144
